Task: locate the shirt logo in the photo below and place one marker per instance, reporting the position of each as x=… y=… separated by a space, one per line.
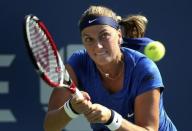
x=130 y=115
x=91 y=21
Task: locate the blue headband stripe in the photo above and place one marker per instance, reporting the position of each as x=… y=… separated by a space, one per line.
x=98 y=20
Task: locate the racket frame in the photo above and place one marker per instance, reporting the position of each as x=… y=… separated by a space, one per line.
x=69 y=83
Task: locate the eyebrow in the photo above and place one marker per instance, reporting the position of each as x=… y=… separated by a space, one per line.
x=84 y=34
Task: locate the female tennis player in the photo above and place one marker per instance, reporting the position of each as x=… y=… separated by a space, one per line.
x=122 y=89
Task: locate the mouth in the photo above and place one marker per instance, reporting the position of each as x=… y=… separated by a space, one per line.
x=103 y=53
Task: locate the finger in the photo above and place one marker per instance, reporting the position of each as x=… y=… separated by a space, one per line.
x=83 y=106
x=76 y=100
x=94 y=117
x=86 y=95
x=86 y=107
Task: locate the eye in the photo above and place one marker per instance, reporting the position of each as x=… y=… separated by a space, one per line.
x=105 y=36
x=88 y=40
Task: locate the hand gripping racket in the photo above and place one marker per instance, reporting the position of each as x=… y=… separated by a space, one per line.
x=45 y=56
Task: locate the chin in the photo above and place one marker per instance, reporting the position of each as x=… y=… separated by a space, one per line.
x=103 y=61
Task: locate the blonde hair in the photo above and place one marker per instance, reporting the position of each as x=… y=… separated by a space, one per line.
x=98 y=11
x=134 y=26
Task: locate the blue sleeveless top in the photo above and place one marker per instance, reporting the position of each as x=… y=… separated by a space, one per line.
x=141 y=75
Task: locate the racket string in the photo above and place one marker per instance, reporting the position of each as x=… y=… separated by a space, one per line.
x=44 y=53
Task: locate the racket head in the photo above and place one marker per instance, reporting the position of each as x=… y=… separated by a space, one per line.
x=43 y=52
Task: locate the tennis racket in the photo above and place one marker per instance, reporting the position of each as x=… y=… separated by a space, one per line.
x=45 y=56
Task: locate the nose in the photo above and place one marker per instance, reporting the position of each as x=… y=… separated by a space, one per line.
x=99 y=44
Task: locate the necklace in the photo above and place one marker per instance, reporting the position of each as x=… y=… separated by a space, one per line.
x=107 y=75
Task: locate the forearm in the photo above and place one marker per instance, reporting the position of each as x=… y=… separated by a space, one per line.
x=55 y=120
x=128 y=126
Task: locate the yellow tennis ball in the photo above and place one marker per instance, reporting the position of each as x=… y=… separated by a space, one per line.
x=155 y=50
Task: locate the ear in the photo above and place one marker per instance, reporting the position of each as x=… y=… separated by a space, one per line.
x=120 y=40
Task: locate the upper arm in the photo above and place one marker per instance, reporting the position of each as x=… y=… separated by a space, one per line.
x=147 y=109
x=60 y=95
x=149 y=85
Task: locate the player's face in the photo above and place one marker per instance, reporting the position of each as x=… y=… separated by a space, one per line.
x=102 y=43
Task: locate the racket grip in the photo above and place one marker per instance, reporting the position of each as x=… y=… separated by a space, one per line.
x=78 y=93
